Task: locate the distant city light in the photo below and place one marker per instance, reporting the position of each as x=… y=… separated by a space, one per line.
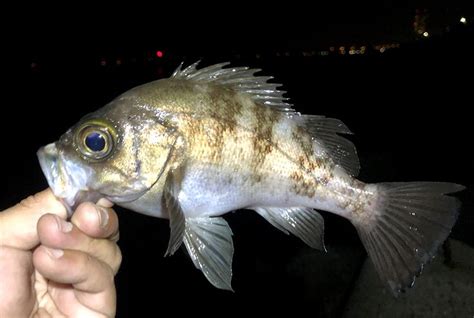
x=426 y=34
x=420 y=21
x=159 y=54
x=463 y=20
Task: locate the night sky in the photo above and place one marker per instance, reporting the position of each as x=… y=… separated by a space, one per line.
x=234 y=26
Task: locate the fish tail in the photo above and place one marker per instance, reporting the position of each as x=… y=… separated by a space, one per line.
x=404 y=226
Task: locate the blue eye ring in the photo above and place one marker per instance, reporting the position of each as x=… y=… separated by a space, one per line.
x=94 y=142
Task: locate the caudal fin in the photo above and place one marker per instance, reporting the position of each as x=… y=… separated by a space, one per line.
x=405 y=226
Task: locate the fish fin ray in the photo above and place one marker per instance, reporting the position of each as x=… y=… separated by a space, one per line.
x=305 y=223
x=209 y=244
x=405 y=226
x=241 y=79
x=327 y=131
x=171 y=204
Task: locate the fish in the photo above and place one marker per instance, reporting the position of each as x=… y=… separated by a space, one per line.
x=207 y=141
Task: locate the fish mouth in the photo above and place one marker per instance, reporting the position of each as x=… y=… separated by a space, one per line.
x=66 y=179
x=48 y=159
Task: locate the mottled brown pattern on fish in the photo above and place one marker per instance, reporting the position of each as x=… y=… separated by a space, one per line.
x=324 y=178
x=225 y=107
x=304 y=141
x=224 y=112
x=310 y=164
x=206 y=136
x=263 y=143
x=209 y=131
x=302 y=184
x=354 y=198
x=305 y=181
x=313 y=171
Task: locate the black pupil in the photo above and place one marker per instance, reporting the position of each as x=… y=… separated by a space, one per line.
x=95 y=142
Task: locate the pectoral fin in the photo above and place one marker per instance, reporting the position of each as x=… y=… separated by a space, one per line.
x=305 y=223
x=171 y=204
x=209 y=243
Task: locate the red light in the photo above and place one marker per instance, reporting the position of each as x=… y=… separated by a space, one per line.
x=159 y=54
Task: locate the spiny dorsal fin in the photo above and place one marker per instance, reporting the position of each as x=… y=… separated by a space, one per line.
x=327 y=130
x=242 y=79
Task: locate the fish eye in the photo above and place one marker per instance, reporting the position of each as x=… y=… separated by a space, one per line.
x=95 y=141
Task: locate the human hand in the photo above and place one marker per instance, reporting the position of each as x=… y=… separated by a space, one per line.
x=53 y=268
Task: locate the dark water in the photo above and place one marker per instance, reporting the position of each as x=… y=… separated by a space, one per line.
x=409 y=109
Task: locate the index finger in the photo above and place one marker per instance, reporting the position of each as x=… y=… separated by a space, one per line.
x=18 y=223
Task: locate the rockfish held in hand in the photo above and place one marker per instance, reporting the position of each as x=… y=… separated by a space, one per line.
x=208 y=141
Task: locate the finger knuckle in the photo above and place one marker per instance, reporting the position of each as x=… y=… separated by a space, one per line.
x=31 y=201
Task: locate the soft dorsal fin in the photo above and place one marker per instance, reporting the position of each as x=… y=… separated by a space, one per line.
x=242 y=79
x=327 y=131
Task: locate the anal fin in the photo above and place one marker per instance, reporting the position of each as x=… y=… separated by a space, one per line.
x=305 y=223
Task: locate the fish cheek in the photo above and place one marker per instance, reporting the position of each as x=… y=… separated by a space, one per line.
x=138 y=163
x=115 y=178
x=154 y=156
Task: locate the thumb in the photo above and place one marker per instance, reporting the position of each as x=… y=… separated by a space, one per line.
x=18 y=223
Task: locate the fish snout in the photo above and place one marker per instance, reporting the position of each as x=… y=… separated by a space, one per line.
x=48 y=159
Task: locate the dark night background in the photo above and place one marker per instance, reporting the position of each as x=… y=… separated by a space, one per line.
x=409 y=107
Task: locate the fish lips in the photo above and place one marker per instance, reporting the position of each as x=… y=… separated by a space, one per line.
x=66 y=179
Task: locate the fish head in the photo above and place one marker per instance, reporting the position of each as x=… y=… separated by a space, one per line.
x=118 y=153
